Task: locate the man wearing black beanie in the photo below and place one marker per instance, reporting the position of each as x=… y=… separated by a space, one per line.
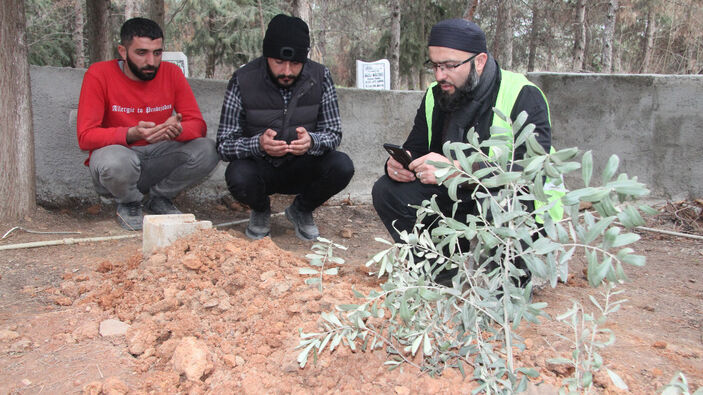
x=279 y=129
x=469 y=83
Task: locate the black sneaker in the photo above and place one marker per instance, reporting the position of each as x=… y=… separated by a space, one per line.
x=259 y=224
x=130 y=216
x=302 y=220
x=161 y=205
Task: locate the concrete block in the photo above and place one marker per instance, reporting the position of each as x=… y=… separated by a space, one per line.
x=162 y=230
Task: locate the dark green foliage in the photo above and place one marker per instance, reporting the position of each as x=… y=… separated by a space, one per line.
x=49 y=32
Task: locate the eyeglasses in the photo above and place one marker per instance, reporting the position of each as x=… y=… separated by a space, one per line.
x=432 y=67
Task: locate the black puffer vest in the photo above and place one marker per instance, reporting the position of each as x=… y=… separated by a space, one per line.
x=264 y=105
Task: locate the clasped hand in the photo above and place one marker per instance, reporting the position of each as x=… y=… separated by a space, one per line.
x=153 y=133
x=278 y=148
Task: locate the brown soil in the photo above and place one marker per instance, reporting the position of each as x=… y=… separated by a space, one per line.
x=217 y=313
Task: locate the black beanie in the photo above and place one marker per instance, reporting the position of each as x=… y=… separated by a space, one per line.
x=458 y=34
x=287 y=38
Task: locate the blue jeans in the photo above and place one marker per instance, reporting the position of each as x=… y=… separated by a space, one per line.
x=161 y=169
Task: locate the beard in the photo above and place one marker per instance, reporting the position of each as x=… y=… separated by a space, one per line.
x=449 y=102
x=280 y=79
x=140 y=72
x=285 y=80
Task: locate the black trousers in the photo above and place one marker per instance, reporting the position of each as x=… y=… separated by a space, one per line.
x=314 y=179
x=391 y=199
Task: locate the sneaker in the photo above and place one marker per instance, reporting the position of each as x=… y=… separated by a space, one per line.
x=130 y=216
x=302 y=220
x=259 y=224
x=161 y=205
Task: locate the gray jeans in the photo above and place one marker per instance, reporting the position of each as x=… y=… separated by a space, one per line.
x=161 y=169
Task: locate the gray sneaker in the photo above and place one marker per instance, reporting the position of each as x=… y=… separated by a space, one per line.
x=259 y=224
x=305 y=228
x=130 y=216
x=161 y=205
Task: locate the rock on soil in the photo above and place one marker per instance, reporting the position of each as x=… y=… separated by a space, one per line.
x=113 y=327
x=192 y=358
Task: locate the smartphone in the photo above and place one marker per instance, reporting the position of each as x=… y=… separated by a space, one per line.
x=398 y=153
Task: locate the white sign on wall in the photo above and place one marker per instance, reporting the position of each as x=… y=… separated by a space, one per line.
x=373 y=75
x=178 y=58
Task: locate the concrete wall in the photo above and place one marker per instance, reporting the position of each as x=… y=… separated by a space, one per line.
x=652 y=122
x=649 y=121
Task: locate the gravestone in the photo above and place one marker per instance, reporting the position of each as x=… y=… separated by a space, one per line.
x=373 y=75
x=178 y=58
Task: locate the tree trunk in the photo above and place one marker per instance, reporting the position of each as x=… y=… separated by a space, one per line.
x=98 y=24
x=17 y=185
x=78 y=34
x=210 y=53
x=156 y=12
x=395 y=44
x=587 y=50
x=261 y=20
x=131 y=9
x=534 y=37
x=471 y=6
x=503 y=41
x=691 y=42
x=423 y=73
x=609 y=37
x=649 y=40
x=580 y=36
x=301 y=9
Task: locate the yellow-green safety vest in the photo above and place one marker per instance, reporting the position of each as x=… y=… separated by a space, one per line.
x=510 y=86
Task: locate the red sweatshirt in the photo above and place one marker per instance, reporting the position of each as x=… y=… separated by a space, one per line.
x=111 y=103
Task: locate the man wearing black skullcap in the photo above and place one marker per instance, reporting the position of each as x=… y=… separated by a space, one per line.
x=469 y=84
x=279 y=129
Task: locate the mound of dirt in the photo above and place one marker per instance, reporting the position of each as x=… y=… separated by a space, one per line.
x=214 y=312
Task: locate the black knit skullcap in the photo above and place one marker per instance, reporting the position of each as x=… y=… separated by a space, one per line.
x=287 y=38
x=458 y=34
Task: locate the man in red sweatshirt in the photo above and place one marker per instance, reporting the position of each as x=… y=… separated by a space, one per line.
x=139 y=119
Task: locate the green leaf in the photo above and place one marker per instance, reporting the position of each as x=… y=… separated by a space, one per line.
x=634 y=260
x=565 y=154
x=313 y=280
x=307 y=270
x=519 y=121
x=560 y=361
x=502 y=179
x=630 y=217
x=416 y=345
x=610 y=168
x=529 y=372
x=625 y=239
x=544 y=246
x=426 y=345
x=597 y=229
x=404 y=311
x=616 y=380
x=332 y=271
x=303 y=355
x=568 y=167
x=535 y=163
x=524 y=134
x=648 y=210
x=534 y=148
x=596 y=276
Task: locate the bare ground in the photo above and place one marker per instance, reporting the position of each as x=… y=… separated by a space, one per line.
x=216 y=313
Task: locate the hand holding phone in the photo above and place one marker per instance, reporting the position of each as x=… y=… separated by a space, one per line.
x=399 y=154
